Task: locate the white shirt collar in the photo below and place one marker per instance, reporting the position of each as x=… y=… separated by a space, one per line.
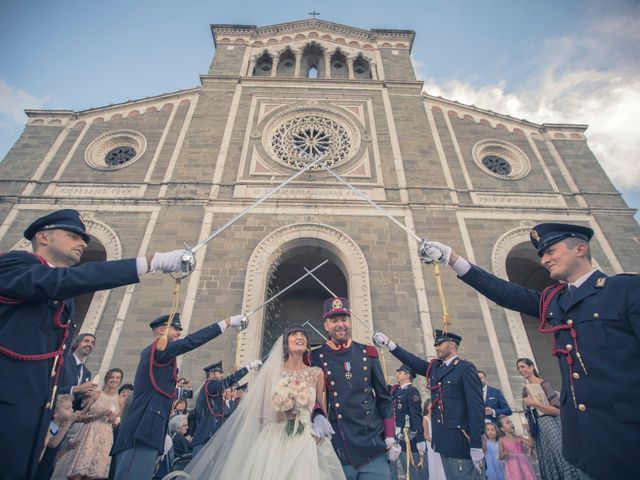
x=583 y=278
x=448 y=362
x=78 y=361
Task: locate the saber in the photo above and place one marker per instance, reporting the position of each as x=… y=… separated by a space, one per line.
x=188 y=261
x=309 y=272
x=308 y=322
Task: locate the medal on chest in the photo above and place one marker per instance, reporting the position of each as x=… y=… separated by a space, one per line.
x=347 y=370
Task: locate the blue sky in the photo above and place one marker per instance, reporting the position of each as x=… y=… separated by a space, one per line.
x=574 y=61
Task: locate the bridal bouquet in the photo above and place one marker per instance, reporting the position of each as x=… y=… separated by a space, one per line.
x=289 y=397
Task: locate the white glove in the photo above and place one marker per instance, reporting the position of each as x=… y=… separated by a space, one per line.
x=382 y=341
x=253 y=365
x=167 y=262
x=477 y=457
x=322 y=427
x=432 y=252
x=393 y=450
x=422 y=447
x=238 y=321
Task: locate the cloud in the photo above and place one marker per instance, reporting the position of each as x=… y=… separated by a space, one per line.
x=13 y=102
x=586 y=79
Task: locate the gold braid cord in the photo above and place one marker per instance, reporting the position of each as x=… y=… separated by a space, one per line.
x=443 y=300
x=164 y=339
x=410 y=461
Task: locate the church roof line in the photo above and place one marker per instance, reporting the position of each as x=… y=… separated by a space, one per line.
x=253 y=30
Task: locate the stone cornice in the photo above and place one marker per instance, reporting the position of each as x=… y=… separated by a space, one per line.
x=296 y=82
x=300 y=25
x=564 y=127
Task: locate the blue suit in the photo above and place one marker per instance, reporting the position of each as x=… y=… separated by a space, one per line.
x=36 y=313
x=210 y=407
x=600 y=436
x=457 y=415
x=148 y=416
x=69 y=378
x=496 y=401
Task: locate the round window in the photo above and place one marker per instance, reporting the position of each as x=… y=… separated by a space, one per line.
x=119 y=156
x=497 y=165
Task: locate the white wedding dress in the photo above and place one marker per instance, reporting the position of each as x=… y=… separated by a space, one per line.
x=253 y=443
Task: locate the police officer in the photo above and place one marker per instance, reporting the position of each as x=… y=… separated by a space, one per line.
x=36 y=325
x=141 y=435
x=595 y=321
x=210 y=405
x=457 y=405
x=407 y=405
x=360 y=407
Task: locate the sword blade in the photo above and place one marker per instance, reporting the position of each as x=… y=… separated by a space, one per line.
x=308 y=322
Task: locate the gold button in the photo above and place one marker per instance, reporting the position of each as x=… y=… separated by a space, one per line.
x=364 y=359
x=324 y=363
x=596 y=315
x=576 y=375
x=332 y=382
x=328 y=372
x=335 y=394
x=337 y=404
x=439 y=383
x=339 y=416
x=365 y=379
x=569 y=347
x=364 y=368
x=569 y=322
x=582 y=407
x=321 y=355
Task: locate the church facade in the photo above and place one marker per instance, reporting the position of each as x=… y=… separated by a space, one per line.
x=150 y=174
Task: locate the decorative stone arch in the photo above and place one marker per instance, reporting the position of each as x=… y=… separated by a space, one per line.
x=341 y=249
x=505 y=244
x=113 y=248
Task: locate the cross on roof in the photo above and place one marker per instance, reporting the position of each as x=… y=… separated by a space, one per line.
x=314 y=14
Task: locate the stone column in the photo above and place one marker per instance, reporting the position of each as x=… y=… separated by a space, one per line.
x=274 y=64
x=350 y=67
x=252 y=64
x=327 y=65
x=298 y=60
x=374 y=71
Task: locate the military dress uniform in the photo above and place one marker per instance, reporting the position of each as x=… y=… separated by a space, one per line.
x=210 y=408
x=407 y=406
x=597 y=340
x=360 y=409
x=36 y=328
x=457 y=408
x=141 y=435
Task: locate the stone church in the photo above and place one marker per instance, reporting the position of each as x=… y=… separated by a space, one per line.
x=152 y=174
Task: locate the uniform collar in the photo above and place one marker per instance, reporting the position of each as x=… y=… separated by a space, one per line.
x=448 y=362
x=582 y=279
x=339 y=346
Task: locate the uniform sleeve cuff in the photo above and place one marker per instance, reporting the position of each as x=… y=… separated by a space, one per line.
x=389 y=427
x=142 y=266
x=223 y=325
x=461 y=266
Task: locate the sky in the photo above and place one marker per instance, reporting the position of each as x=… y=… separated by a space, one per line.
x=548 y=61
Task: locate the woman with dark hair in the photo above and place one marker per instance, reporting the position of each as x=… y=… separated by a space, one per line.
x=541 y=404
x=91 y=458
x=274 y=419
x=179 y=407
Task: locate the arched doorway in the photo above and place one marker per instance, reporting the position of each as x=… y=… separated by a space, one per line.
x=523 y=267
x=303 y=302
x=95 y=252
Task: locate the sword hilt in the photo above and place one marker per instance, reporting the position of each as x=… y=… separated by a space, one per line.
x=187 y=264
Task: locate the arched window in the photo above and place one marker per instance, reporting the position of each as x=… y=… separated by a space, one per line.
x=361 y=68
x=286 y=64
x=264 y=64
x=95 y=252
x=313 y=72
x=312 y=58
x=339 y=65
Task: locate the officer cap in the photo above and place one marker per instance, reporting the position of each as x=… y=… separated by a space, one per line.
x=163 y=319
x=214 y=367
x=67 y=219
x=406 y=368
x=243 y=387
x=546 y=234
x=439 y=336
x=336 y=306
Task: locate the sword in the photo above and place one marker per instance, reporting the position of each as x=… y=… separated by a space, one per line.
x=188 y=260
x=308 y=322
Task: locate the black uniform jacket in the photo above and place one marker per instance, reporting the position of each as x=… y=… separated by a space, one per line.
x=407 y=405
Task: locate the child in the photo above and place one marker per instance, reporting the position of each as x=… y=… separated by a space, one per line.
x=495 y=467
x=516 y=463
x=63 y=418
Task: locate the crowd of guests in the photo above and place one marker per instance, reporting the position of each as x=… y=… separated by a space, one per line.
x=87 y=415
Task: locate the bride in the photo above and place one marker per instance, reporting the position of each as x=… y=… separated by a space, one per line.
x=271 y=435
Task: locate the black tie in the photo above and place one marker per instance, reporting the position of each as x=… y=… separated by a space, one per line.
x=572 y=290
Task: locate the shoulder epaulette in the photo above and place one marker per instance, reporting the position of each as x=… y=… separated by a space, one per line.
x=315 y=348
x=372 y=352
x=626 y=273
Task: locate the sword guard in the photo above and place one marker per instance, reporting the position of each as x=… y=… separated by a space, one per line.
x=187 y=264
x=243 y=325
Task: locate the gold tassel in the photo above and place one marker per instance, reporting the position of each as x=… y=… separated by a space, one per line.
x=164 y=339
x=443 y=300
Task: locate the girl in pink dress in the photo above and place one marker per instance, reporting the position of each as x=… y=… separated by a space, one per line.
x=511 y=450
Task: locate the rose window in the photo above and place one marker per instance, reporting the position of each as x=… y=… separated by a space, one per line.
x=119 y=156
x=303 y=138
x=497 y=165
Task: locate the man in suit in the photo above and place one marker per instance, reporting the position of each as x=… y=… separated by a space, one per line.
x=457 y=408
x=595 y=320
x=495 y=405
x=360 y=407
x=142 y=434
x=75 y=378
x=37 y=325
x=407 y=405
x=211 y=406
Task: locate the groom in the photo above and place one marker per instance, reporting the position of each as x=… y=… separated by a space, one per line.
x=360 y=409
